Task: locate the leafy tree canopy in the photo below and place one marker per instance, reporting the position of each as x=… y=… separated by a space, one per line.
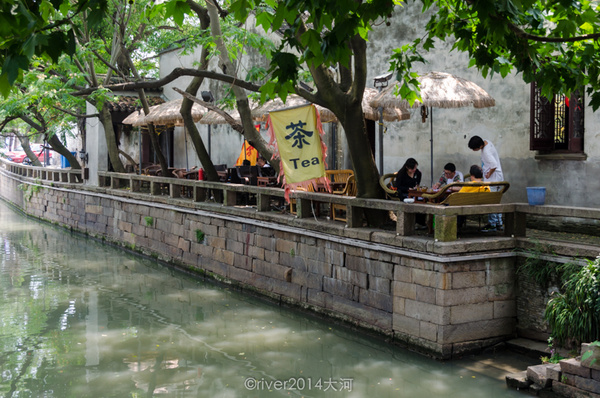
x=552 y=42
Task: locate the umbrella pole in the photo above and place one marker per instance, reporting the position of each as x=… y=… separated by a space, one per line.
x=431 y=140
x=187 y=165
x=209 y=140
x=380 y=140
x=140 y=150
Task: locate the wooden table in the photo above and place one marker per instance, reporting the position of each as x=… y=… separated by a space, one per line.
x=417 y=194
x=335 y=186
x=266 y=181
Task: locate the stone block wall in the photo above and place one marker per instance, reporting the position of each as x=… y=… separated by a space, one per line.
x=441 y=305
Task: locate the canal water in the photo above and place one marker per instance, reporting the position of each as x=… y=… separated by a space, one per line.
x=79 y=318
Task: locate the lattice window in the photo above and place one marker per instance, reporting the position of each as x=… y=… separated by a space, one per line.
x=556 y=125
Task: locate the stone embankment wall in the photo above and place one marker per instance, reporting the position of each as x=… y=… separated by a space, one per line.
x=443 y=299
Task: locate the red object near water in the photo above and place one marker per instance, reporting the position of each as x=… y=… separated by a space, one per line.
x=201 y=175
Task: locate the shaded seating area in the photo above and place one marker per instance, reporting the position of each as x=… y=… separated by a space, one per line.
x=469 y=198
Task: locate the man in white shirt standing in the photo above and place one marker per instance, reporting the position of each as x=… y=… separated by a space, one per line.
x=492 y=172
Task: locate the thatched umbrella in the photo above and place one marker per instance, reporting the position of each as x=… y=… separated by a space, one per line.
x=389 y=114
x=136 y=118
x=440 y=90
x=169 y=113
x=293 y=100
x=212 y=117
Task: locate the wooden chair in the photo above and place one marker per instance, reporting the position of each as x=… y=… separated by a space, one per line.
x=386 y=182
x=349 y=190
x=469 y=198
x=151 y=170
x=247 y=174
x=338 y=178
x=293 y=210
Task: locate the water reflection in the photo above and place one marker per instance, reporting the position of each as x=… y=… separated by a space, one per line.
x=81 y=319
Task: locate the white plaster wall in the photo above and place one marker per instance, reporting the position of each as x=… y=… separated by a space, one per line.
x=95 y=145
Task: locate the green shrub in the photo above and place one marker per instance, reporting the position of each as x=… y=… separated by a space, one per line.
x=199 y=236
x=149 y=221
x=574 y=313
x=542 y=271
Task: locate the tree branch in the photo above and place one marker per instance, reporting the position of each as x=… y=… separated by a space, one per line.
x=78 y=115
x=521 y=33
x=231 y=121
x=176 y=73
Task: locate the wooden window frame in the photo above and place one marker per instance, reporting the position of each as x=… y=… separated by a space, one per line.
x=557 y=126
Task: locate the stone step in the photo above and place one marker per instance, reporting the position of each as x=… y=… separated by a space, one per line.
x=532 y=348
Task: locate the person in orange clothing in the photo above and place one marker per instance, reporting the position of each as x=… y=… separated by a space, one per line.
x=476 y=176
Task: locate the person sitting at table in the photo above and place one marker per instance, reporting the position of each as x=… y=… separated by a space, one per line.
x=409 y=177
x=449 y=176
x=476 y=176
x=266 y=169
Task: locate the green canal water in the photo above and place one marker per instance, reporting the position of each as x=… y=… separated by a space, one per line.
x=79 y=318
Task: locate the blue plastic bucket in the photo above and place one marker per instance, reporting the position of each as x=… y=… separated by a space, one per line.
x=536 y=195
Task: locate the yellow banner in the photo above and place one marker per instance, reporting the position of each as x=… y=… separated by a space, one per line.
x=248 y=153
x=297 y=132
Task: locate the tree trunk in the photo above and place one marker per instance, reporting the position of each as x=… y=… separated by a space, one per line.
x=210 y=173
x=58 y=147
x=27 y=149
x=158 y=151
x=243 y=106
x=111 y=141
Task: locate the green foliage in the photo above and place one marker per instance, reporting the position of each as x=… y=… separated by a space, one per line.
x=548 y=42
x=542 y=271
x=319 y=39
x=554 y=357
x=39 y=29
x=586 y=355
x=149 y=221
x=29 y=190
x=574 y=314
x=199 y=236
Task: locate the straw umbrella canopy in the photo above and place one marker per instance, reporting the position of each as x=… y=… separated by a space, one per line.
x=137 y=118
x=389 y=114
x=169 y=113
x=293 y=100
x=439 y=90
x=212 y=117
